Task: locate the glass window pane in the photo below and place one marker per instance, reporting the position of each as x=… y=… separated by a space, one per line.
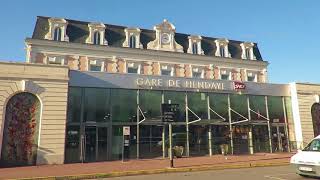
x=96 y=105
x=239 y=104
x=258 y=104
x=124 y=105
x=197 y=102
x=72 y=153
x=166 y=72
x=74 y=104
x=177 y=98
x=150 y=103
x=197 y=74
x=275 y=109
x=133 y=70
x=95 y=68
x=225 y=76
x=219 y=104
x=117 y=142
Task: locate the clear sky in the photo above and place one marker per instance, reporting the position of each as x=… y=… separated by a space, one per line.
x=287 y=31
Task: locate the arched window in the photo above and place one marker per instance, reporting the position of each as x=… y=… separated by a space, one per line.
x=96 y=37
x=21 y=129
x=132 y=41
x=315 y=112
x=194 y=48
x=57 y=34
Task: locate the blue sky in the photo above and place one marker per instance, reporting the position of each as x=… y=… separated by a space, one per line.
x=287 y=31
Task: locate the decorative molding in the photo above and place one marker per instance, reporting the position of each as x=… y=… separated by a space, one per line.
x=167 y=29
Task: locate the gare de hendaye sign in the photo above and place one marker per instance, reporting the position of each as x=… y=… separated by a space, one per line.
x=189 y=84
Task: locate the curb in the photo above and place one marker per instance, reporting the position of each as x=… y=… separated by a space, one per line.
x=156 y=171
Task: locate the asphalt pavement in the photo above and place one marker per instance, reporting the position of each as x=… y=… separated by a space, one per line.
x=259 y=173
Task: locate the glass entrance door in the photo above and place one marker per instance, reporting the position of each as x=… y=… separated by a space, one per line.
x=90 y=144
x=279 y=139
x=95 y=144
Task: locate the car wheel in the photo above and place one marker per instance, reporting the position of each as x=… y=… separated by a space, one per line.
x=302 y=175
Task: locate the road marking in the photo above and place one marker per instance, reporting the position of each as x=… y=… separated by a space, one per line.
x=274 y=177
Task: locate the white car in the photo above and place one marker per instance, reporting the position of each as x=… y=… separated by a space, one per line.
x=307 y=161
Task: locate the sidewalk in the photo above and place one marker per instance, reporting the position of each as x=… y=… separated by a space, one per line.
x=149 y=166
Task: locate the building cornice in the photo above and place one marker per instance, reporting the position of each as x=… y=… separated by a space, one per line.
x=67 y=48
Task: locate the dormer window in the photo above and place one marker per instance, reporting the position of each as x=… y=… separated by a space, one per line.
x=97 y=34
x=167 y=70
x=222 y=48
x=96 y=65
x=132 y=38
x=251 y=76
x=225 y=74
x=197 y=72
x=57 y=30
x=247 y=51
x=133 y=68
x=195 y=45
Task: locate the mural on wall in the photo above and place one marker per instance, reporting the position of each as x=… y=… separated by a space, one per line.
x=21 y=128
x=315 y=112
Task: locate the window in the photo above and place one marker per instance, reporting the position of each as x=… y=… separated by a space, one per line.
x=96 y=105
x=133 y=68
x=251 y=77
x=95 y=67
x=57 y=30
x=132 y=38
x=248 y=53
x=132 y=41
x=166 y=70
x=55 y=60
x=222 y=48
x=194 y=48
x=225 y=76
x=197 y=74
x=96 y=34
x=222 y=53
x=124 y=105
x=57 y=34
x=96 y=38
x=247 y=50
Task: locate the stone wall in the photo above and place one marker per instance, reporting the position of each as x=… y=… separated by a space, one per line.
x=50 y=85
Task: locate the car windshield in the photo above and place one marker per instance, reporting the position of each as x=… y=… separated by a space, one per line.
x=314 y=145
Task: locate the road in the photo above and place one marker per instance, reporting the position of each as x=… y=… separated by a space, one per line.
x=261 y=173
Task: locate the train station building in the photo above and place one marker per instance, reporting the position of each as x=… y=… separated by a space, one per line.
x=83 y=82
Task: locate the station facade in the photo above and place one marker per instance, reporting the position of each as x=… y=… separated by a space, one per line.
x=84 y=82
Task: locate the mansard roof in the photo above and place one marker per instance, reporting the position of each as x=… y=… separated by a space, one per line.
x=78 y=32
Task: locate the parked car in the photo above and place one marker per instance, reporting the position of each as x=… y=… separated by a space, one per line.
x=307 y=161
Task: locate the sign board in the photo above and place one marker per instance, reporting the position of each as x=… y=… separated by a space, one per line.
x=169 y=112
x=126 y=130
x=239 y=85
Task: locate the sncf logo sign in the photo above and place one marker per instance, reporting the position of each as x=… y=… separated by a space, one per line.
x=239 y=85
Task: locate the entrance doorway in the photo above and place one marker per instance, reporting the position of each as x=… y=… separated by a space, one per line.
x=94 y=144
x=279 y=138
